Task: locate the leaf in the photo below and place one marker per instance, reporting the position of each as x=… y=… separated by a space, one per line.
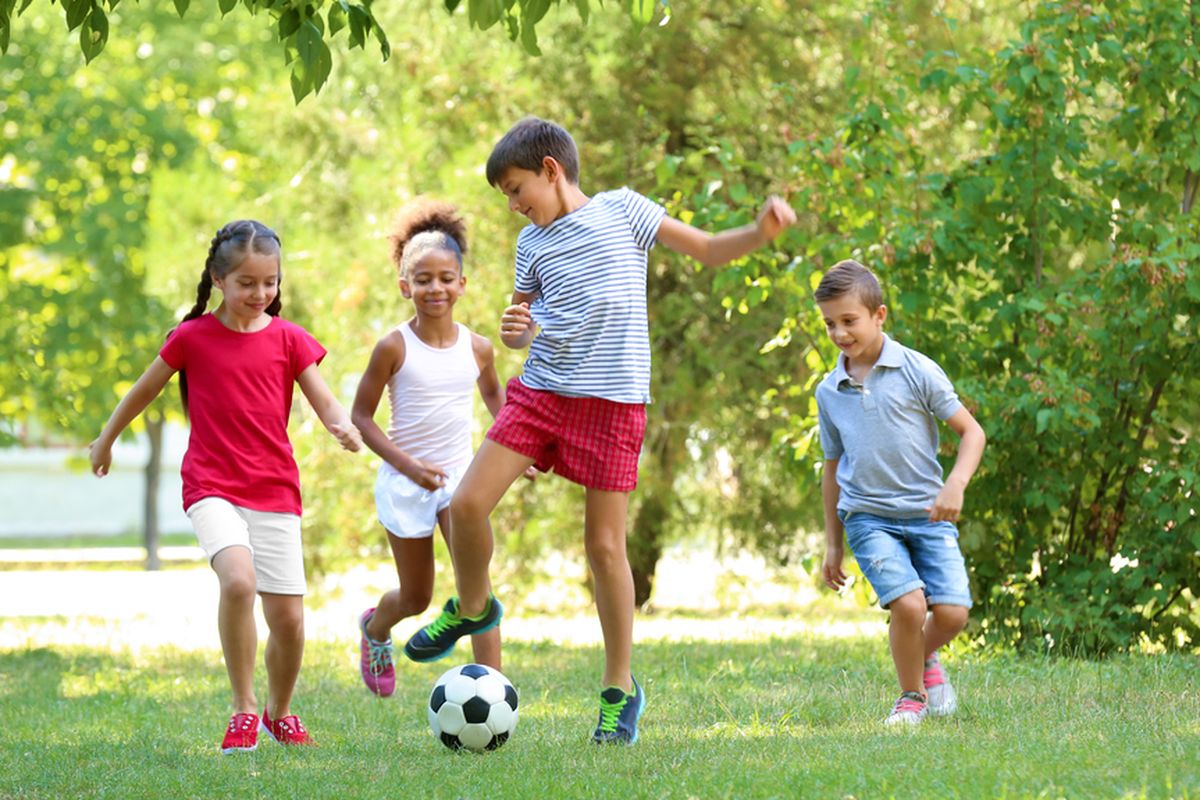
x=289 y=23
x=226 y=6
x=94 y=34
x=584 y=8
x=181 y=6
x=451 y=5
x=308 y=43
x=529 y=38
x=336 y=17
x=1043 y=418
x=642 y=11
x=77 y=11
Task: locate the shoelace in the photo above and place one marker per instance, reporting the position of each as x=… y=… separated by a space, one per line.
x=379 y=655
x=934 y=675
x=445 y=620
x=908 y=704
x=609 y=712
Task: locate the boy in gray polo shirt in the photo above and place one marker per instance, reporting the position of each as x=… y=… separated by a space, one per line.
x=882 y=484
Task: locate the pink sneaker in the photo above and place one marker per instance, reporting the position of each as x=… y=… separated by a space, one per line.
x=242 y=734
x=375 y=660
x=287 y=730
x=942 y=699
x=910 y=709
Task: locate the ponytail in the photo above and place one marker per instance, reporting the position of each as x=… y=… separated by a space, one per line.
x=221 y=261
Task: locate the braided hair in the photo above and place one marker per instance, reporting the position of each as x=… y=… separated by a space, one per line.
x=226 y=252
x=423 y=226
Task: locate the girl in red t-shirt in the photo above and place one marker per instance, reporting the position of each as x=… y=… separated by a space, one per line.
x=241 y=486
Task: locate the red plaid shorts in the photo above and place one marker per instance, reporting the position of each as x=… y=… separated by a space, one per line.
x=587 y=440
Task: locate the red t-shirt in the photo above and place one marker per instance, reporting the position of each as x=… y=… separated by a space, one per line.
x=239 y=399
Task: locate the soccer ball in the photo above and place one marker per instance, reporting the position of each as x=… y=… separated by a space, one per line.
x=472 y=707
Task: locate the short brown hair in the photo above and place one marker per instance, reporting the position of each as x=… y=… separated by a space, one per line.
x=850 y=277
x=527 y=143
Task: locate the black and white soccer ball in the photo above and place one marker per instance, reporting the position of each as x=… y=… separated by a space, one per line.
x=472 y=707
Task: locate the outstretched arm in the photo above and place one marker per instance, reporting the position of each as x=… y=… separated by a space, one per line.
x=713 y=250
x=948 y=503
x=147 y=387
x=329 y=410
x=386 y=358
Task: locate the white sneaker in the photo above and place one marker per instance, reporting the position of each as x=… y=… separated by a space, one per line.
x=942 y=699
x=910 y=709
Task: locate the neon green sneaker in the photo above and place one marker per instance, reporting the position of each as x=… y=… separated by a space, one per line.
x=437 y=639
x=619 y=715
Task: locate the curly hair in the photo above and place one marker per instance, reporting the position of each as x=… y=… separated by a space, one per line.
x=425 y=225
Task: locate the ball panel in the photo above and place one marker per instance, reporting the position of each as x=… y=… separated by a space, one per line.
x=500 y=718
x=460 y=689
x=451 y=719
x=474 y=670
x=437 y=698
x=510 y=696
x=476 y=710
x=490 y=688
x=475 y=737
x=451 y=741
x=497 y=740
x=434 y=725
x=448 y=674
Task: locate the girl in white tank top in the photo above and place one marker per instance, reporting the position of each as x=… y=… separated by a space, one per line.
x=431 y=366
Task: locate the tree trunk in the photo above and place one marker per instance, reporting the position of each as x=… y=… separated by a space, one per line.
x=154 y=432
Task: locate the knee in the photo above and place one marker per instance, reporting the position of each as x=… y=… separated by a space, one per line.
x=466 y=509
x=287 y=623
x=415 y=599
x=950 y=617
x=909 y=608
x=238 y=587
x=606 y=555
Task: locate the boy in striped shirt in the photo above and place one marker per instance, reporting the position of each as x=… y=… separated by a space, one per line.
x=579 y=408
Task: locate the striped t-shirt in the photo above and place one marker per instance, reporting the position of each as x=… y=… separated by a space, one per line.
x=588 y=270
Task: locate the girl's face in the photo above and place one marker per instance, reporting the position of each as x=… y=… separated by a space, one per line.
x=250 y=288
x=434 y=283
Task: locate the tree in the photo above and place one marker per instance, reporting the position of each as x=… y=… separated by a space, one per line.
x=302 y=27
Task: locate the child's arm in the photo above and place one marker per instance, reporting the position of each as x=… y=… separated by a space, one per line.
x=948 y=503
x=388 y=357
x=713 y=250
x=147 y=387
x=488 y=382
x=835 y=550
x=516 y=324
x=329 y=410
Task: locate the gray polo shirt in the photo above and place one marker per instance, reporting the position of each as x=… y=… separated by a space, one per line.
x=884 y=432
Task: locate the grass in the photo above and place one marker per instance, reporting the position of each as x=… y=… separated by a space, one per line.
x=794 y=717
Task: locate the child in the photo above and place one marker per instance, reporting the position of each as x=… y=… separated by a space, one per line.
x=431 y=366
x=579 y=407
x=241 y=486
x=878 y=413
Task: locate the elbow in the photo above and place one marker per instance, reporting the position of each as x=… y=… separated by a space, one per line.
x=359 y=418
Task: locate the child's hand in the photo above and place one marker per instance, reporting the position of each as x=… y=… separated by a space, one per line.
x=831 y=571
x=101 y=456
x=515 y=322
x=775 y=216
x=348 y=436
x=428 y=476
x=947 y=505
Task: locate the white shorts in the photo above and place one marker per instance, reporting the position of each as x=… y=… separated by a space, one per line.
x=407 y=510
x=273 y=539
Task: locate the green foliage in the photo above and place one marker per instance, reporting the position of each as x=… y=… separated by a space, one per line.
x=304 y=28
x=1030 y=210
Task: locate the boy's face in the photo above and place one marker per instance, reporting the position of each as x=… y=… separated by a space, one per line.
x=854 y=328
x=534 y=195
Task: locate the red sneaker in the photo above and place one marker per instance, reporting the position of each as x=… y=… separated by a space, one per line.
x=287 y=730
x=241 y=735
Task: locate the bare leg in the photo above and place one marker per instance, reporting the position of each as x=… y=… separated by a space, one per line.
x=486 y=645
x=908 y=640
x=415 y=569
x=944 y=623
x=492 y=471
x=235 y=622
x=604 y=540
x=285 y=649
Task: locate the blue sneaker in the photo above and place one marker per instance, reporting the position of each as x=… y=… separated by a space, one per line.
x=437 y=639
x=619 y=715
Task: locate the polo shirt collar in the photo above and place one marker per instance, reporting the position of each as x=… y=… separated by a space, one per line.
x=890 y=356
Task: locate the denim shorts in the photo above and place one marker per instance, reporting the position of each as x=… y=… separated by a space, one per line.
x=900 y=555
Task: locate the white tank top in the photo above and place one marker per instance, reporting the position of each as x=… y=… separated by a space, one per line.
x=432 y=398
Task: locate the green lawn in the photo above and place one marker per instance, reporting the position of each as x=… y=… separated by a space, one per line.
x=797 y=717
